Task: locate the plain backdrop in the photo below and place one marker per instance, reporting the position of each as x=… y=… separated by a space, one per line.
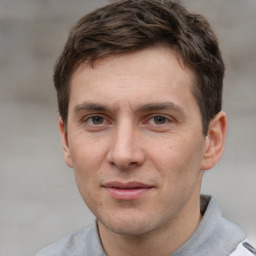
x=39 y=201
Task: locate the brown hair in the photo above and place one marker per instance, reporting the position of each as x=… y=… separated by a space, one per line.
x=130 y=25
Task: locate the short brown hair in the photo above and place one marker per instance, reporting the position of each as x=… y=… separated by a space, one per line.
x=129 y=25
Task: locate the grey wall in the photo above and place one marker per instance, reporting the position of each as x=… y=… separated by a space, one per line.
x=39 y=201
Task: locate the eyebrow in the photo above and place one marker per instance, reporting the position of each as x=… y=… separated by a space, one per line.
x=87 y=106
x=160 y=106
x=156 y=106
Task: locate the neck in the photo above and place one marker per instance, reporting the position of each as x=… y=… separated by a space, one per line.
x=162 y=241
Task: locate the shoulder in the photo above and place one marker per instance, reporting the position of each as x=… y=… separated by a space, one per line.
x=68 y=245
x=81 y=243
x=244 y=249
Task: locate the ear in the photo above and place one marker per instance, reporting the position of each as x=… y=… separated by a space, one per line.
x=65 y=143
x=215 y=141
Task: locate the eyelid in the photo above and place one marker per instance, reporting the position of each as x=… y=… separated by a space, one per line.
x=91 y=118
x=85 y=120
x=167 y=117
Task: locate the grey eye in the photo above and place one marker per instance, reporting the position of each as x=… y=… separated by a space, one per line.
x=160 y=120
x=97 y=120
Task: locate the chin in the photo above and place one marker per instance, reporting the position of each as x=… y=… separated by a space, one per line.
x=128 y=228
x=132 y=225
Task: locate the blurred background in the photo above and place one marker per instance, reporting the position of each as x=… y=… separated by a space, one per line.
x=39 y=201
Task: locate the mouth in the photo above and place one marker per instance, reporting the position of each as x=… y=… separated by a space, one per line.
x=127 y=191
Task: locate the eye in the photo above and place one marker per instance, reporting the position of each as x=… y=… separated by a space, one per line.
x=96 y=123
x=158 y=120
x=96 y=120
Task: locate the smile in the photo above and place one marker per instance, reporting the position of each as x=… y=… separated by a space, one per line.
x=127 y=191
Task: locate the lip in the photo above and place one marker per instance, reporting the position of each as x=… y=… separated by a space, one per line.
x=127 y=191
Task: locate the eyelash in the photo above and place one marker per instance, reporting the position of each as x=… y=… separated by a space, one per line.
x=154 y=118
x=89 y=120
x=151 y=121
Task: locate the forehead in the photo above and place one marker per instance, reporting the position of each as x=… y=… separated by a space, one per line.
x=138 y=76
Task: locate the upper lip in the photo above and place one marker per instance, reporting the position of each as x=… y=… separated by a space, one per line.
x=126 y=185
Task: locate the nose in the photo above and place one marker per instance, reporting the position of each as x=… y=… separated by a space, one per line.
x=126 y=150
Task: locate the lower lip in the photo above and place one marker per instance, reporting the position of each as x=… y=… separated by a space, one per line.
x=127 y=194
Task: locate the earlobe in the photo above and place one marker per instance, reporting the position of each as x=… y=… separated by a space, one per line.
x=65 y=143
x=215 y=141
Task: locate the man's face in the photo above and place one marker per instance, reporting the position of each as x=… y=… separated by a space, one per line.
x=135 y=140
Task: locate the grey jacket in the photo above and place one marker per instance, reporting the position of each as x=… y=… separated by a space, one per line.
x=215 y=236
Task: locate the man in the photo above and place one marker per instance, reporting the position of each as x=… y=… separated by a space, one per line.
x=139 y=88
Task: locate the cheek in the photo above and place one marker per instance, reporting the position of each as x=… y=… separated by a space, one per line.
x=86 y=173
x=88 y=159
x=84 y=166
x=86 y=152
x=177 y=161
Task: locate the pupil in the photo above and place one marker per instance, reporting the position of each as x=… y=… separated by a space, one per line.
x=97 y=120
x=159 y=120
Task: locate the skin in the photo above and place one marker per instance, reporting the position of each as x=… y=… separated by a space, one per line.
x=133 y=118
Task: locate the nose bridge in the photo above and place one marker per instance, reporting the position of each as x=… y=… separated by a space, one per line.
x=125 y=148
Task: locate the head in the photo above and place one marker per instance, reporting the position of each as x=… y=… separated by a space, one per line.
x=130 y=25
x=139 y=89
